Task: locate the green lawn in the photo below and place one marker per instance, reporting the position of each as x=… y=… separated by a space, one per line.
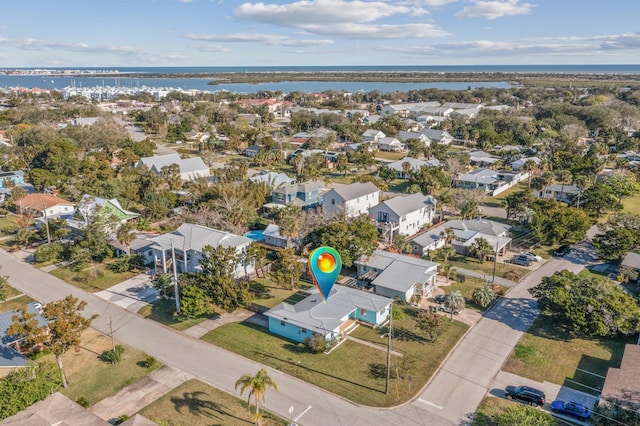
x=547 y=352
x=12 y=305
x=8 y=224
x=488 y=411
x=270 y=294
x=632 y=204
x=93 y=379
x=353 y=371
x=393 y=156
x=503 y=270
x=163 y=311
x=466 y=288
x=197 y=404
x=92 y=278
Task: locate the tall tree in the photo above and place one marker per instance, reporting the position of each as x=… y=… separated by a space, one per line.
x=257 y=386
x=456 y=302
x=484 y=295
x=66 y=325
x=431 y=324
x=26 y=327
x=481 y=248
x=287 y=268
x=126 y=235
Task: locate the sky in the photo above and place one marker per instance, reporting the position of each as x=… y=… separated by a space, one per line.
x=130 y=33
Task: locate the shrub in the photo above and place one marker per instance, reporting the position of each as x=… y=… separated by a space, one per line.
x=120 y=419
x=316 y=344
x=83 y=401
x=150 y=362
x=114 y=356
x=48 y=252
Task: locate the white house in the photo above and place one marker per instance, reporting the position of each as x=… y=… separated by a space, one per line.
x=391 y=144
x=372 y=136
x=414 y=163
x=397 y=275
x=190 y=168
x=188 y=241
x=439 y=136
x=559 y=192
x=517 y=165
x=44 y=205
x=467 y=232
x=404 y=135
x=352 y=200
x=404 y=215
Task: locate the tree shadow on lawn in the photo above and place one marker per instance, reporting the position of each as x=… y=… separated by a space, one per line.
x=517 y=313
x=260 y=290
x=198 y=406
x=313 y=370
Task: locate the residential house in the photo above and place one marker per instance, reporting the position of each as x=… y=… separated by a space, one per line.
x=482 y=159
x=305 y=194
x=397 y=275
x=517 y=165
x=404 y=135
x=404 y=215
x=391 y=144
x=252 y=150
x=352 y=200
x=489 y=180
x=190 y=168
x=621 y=384
x=273 y=179
x=632 y=262
x=344 y=309
x=17 y=177
x=85 y=121
x=370 y=119
x=187 y=243
x=406 y=110
x=414 y=163
x=373 y=136
x=108 y=212
x=427 y=242
x=272 y=237
x=10 y=357
x=249 y=119
x=141 y=246
x=462 y=105
x=558 y=191
x=467 y=232
x=438 y=136
x=320 y=133
x=44 y=205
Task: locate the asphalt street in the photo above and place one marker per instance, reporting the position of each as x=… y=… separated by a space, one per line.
x=449 y=399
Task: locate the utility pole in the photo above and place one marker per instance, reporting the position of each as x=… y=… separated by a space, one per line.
x=113 y=342
x=495 y=262
x=46 y=222
x=386 y=385
x=175 y=278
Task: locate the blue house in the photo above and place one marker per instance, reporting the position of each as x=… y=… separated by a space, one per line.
x=345 y=308
x=305 y=195
x=9 y=357
x=16 y=177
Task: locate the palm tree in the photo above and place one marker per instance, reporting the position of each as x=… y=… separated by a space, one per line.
x=484 y=295
x=563 y=177
x=447 y=251
x=406 y=168
x=456 y=302
x=582 y=182
x=445 y=198
x=448 y=234
x=257 y=386
x=530 y=166
x=481 y=248
x=446 y=270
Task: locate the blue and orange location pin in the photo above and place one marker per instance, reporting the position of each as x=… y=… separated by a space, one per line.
x=325 y=265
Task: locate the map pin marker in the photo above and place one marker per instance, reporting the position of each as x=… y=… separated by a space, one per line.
x=325 y=265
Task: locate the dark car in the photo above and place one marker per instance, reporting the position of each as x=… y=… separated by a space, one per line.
x=520 y=260
x=562 y=250
x=441 y=298
x=574 y=409
x=526 y=394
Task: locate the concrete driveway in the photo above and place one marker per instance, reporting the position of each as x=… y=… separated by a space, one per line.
x=131 y=294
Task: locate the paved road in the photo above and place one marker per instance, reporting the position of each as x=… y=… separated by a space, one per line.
x=451 y=397
x=459 y=386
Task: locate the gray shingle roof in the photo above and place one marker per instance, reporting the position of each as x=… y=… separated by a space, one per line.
x=402 y=205
x=311 y=313
x=631 y=260
x=399 y=272
x=195 y=237
x=5 y=322
x=355 y=190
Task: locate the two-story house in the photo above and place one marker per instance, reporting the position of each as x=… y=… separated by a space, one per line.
x=185 y=246
x=404 y=215
x=306 y=195
x=414 y=166
x=373 y=136
x=352 y=200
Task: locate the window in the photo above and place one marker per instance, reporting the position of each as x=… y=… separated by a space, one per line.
x=282 y=323
x=363 y=311
x=333 y=201
x=304 y=330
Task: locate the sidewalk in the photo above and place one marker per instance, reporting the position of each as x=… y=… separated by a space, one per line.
x=207 y=325
x=131 y=294
x=138 y=395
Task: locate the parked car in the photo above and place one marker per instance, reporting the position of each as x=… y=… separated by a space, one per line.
x=562 y=250
x=574 y=409
x=531 y=256
x=526 y=394
x=519 y=260
x=441 y=298
x=445 y=307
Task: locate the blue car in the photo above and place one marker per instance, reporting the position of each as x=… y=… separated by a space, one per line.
x=573 y=409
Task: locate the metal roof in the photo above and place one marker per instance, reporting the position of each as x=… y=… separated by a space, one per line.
x=195 y=237
x=355 y=190
x=402 y=205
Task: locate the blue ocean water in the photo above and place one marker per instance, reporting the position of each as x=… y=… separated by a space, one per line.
x=59 y=82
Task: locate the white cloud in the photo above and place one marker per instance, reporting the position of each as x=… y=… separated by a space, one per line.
x=366 y=31
x=185 y=1
x=268 y=39
x=494 y=9
x=211 y=48
x=318 y=12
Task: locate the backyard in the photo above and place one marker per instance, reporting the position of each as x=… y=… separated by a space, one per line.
x=353 y=370
x=548 y=352
x=195 y=403
x=503 y=270
x=93 y=278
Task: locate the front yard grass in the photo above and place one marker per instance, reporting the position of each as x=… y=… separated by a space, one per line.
x=14 y=304
x=94 y=379
x=503 y=270
x=93 y=278
x=489 y=410
x=549 y=352
x=269 y=294
x=163 y=311
x=353 y=371
x=8 y=224
x=631 y=204
x=195 y=403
